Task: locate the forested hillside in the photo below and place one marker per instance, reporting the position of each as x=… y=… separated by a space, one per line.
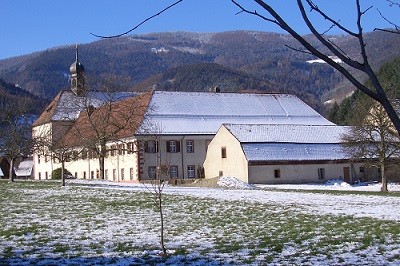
x=233 y=61
x=10 y=94
x=389 y=76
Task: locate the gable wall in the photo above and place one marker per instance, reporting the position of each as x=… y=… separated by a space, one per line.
x=235 y=163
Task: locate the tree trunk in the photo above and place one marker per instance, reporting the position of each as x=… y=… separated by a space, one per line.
x=384 y=187
x=163 y=249
x=102 y=155
x=62 y=173
x=11 y=171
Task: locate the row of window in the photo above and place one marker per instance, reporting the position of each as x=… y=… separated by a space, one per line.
x=321 y=173
x=96 y=174
x=172 y=146
x=113 y=150
x=277 y=173
x=172 y=171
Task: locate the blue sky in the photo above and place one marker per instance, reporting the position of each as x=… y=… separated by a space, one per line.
x=27 y=26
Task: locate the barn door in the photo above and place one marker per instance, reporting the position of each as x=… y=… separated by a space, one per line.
x=346 y=174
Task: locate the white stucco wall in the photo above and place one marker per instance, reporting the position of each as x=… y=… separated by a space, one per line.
x=300 y=173
x=235 y=163
x=181 y=159
x=125 y=166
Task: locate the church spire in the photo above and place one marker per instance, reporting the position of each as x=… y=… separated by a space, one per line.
x=77 y=77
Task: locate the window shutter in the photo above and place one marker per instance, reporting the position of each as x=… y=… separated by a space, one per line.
x=178 y=146
x=156 y=144
x=168 y=146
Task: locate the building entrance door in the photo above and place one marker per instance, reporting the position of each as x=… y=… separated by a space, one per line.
x=346 y=174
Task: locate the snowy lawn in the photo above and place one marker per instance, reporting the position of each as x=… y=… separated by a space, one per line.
x=87 y=223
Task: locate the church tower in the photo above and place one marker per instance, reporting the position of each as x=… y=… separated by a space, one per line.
x=77 y=77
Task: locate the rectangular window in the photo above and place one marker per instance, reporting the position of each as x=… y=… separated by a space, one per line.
x=321 y=173
x=362 y=169
x=91 y=174
x=223 y=152
x=84 y=175
x=130 y=147
x=131 y=173
x=114 y=174
x=173 y=171
x=151 y=146
x=151 y=172
x=173 y=146
x=46 y=175
x=190 y=146
x=112 y=151
x=106 y=174
x=38 y=160
x=191 y=171
x=40 y=176
x=121 y=149
x=277 y=173
x=76 y=175
x=122 y=174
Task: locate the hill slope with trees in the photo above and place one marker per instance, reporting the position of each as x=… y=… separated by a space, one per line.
x=348 y=109
x=261 y=61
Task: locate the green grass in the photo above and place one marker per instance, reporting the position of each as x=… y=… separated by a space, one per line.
x=41 y=218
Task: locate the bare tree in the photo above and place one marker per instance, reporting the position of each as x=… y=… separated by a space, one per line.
x=373 y=138
x=157 y=177
x=15 y=137
x=47 y=143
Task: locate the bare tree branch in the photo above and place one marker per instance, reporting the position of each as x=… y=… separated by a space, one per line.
x=397 y=28
x=138 y=25
x=393 y=3
x=314 y=7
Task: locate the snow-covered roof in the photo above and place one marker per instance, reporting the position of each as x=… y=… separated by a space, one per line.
x=287 y=133
x=24 y=168
x=293 y=152
x=205 y=112
x=66 y=106
x=69 y=106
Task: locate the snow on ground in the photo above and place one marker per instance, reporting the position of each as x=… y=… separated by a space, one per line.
x=357 y=205
x=99 y=222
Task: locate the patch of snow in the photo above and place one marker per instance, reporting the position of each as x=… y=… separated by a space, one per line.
x=320 y=61
x=233 y=182
x=190 y=50
x=337 y=183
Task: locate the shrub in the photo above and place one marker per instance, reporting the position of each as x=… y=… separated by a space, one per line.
x=56 y=174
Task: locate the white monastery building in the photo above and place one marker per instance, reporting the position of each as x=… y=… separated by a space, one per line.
x=137 y=133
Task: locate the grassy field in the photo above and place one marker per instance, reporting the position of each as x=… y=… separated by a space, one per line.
x=42 y=223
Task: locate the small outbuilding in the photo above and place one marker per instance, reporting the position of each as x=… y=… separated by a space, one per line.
x=272 y=153
x=24 y=169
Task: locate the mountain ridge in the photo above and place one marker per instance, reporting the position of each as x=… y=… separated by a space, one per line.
x=135 y=60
